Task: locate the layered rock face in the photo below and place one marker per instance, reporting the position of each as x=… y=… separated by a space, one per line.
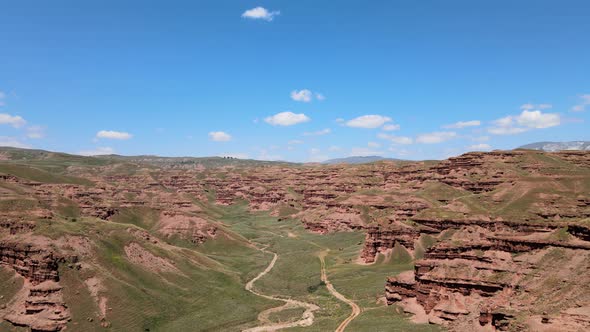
x=42 y=310
x=35 y=264
x=476 y=279
x=41 y=306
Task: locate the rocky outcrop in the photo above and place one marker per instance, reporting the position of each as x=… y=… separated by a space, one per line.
x=194 y=229
x=380 y=239
x=43 y=308
x=33 y=263
x=474 y=276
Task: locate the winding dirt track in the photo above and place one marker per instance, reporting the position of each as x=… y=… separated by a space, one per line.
x=356 y=310
x=306 y=319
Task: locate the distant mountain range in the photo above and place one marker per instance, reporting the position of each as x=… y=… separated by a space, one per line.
x=558 y=146
x=357 y=160
x=18 y=154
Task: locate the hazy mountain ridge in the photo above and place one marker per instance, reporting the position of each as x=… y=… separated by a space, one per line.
x=357 y=160
x=558 y=146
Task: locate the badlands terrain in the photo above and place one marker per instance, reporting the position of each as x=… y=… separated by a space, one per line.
x=480 y=242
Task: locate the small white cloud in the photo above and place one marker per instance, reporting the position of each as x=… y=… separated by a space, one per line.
x=334 y=148
x=286 y=119
x=396 y=139
x=318 y=133
x=219 y=136
x=368 y=121
x=339 y=120
x=463 y=124
x=2 y=96
x=525 y=121
x=306 y=95
x=302 y=95
x=504 y=122
x=14 y=120
x=436 y=137
x=13 y=142
x=538 y=119
x=295 y=141
x=260 y=13
x=390 y=127
x=100 y=151
x=35 y=132
x=584 y=102
x=480 y=147
x=110 y=134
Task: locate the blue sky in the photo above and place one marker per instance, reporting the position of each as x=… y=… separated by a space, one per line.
x=293 y=80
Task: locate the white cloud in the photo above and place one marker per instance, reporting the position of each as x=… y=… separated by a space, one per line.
x=302 y=95
x=480 y=147
x=390 y=127
x=395 y=139
x=538 y=120
x=110 y=134
x=306 y=95
x=525 y=121
x=584 y=102
x=463 y=124
x=286 y=119
x=295 y=141
x=219 y=136
x=368 y=121
x=334 y=148
x=436 y=137
x=260 y=13
x=2 y=96
x=318 y=133
x=35 y=132
x=340 y=120
x=13 y=120
x=99 y=151
x=13 y=142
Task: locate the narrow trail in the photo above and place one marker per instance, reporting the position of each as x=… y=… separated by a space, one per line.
x=307 y=318
x=356 y=310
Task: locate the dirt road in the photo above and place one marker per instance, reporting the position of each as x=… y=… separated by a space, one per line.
x=306 y=319
x=356 y=310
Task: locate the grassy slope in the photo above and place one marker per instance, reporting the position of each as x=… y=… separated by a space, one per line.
x=211 y=280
